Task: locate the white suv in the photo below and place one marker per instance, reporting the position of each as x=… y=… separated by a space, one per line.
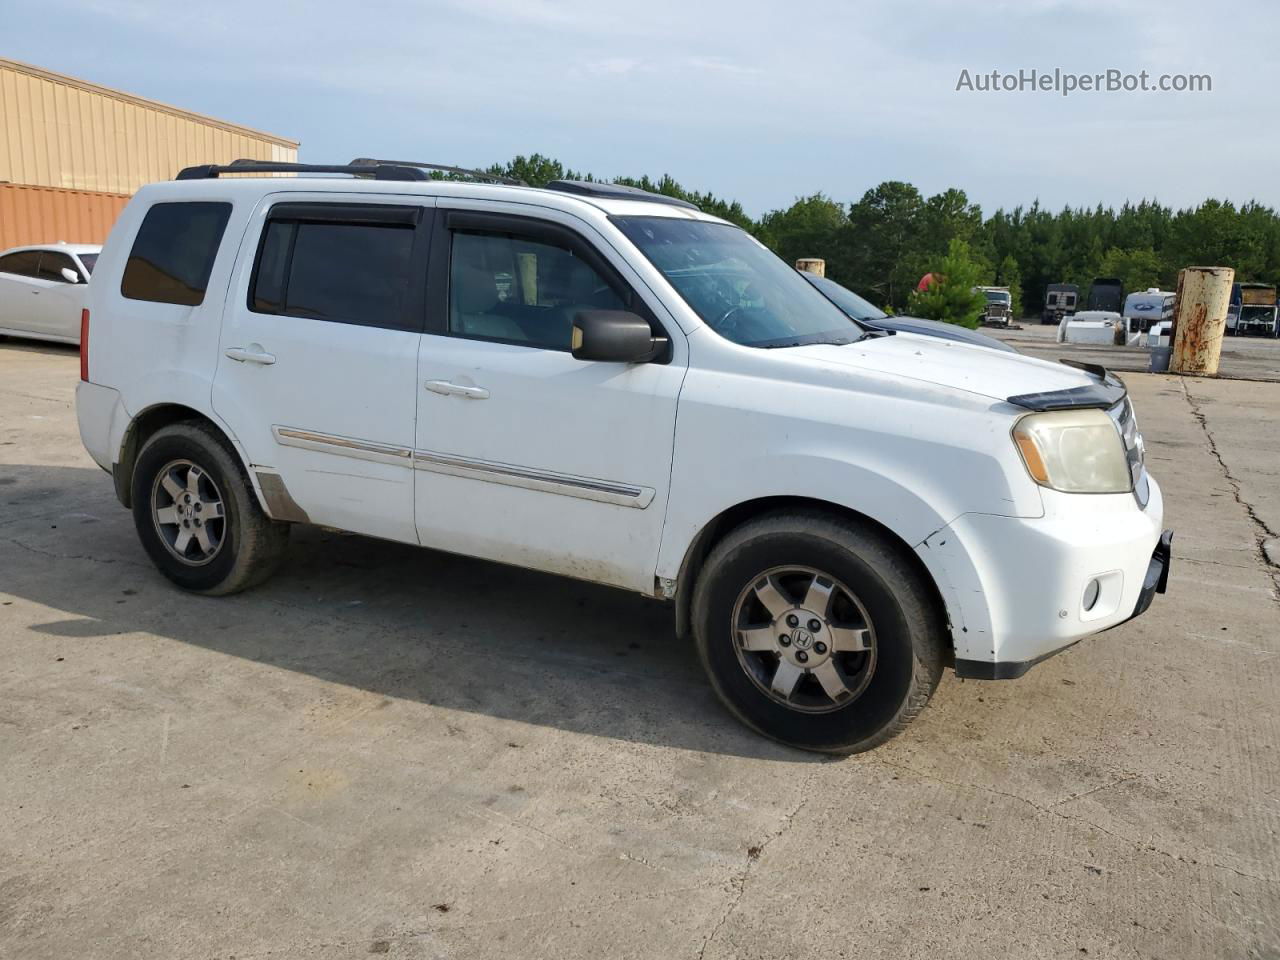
x=612 y=385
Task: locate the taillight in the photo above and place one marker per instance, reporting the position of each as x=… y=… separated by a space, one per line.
x=84 y=344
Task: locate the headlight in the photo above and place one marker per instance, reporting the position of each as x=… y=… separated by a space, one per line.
x=1074 y=451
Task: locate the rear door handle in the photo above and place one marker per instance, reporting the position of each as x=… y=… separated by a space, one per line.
x=448 y=389
x=253 y=355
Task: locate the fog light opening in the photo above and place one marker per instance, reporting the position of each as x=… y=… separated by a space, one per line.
x=1091 y=595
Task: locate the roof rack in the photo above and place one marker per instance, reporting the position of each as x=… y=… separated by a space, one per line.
x=208 y=171
x=616 y=191
x=443 y=168
x=413 y=170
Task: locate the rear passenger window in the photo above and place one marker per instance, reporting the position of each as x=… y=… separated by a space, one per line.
x=174 y=251
x=344 y=272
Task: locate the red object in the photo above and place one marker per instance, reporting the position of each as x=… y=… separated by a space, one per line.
x=84 y=345
x=928 y=281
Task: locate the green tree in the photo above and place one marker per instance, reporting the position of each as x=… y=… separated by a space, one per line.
x=952 y=297
x=1009 y=275
x=535 y=170
x=882 y=244
x=1137 y=269
x=810 y=227
x=886 y=242
x=948 y=215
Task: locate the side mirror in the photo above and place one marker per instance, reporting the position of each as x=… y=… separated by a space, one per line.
x=70 y=275
x=615 y=336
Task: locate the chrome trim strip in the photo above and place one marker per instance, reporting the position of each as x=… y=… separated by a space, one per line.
x=584 y=488
x=343 y=446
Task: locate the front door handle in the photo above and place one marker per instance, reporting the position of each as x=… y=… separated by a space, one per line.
x=255 y=354
x=448 y=389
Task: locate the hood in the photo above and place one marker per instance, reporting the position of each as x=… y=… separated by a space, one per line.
x=948 y=363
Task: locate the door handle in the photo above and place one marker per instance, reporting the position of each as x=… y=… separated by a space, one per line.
x=448 y=389
x=251 y=356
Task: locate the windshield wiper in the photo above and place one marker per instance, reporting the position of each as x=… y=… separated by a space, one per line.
x=832 y=342
x=870 y=334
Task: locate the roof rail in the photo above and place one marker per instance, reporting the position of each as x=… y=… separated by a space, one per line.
x=616 y=191
x=208 y=171
x=443 y=168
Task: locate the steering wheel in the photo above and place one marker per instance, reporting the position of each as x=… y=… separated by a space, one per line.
x=723 y=325
x=727 y=321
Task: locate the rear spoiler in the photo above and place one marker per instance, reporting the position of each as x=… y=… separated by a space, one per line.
x=1106 y=393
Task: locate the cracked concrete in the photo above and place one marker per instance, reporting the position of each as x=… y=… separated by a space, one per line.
x=388 y=750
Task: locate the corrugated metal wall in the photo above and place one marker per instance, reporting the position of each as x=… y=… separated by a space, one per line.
x=48 y=215
x=57 y=131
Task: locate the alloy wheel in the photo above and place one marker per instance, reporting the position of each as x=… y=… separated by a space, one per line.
x=804 y=638
x=189 y=512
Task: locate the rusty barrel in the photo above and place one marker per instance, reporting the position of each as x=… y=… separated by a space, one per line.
x=1204 y=293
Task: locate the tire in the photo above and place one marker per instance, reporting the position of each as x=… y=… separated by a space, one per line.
x=878 y=600
x=238 y=549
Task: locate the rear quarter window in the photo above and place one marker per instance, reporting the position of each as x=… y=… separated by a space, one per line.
x=173 y=253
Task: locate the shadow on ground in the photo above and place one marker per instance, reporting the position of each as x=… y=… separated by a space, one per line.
x=398 y=620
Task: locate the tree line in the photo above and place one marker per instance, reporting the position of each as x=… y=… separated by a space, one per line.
x=882 y=244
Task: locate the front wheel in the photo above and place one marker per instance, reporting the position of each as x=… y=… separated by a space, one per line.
x=197 y=516
x=817 y=632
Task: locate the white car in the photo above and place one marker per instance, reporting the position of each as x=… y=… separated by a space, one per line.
x=603 y=383
x=42 y=290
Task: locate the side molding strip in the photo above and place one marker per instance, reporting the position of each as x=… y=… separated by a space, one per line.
x=563 y=484
x=584 y=488
x=343 y=446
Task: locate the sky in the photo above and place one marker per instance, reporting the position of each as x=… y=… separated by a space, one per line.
x=759 y=102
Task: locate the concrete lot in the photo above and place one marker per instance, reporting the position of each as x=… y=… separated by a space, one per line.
x=389 y=750
x=1243 y=358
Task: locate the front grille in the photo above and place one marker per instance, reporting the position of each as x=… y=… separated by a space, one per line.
x=1126 y=422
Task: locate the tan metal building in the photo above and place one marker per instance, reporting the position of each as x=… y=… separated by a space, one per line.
x=72 y=152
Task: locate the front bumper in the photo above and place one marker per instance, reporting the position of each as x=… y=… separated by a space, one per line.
x=1018 y=590
x=1155 y=581
x=1157 y=578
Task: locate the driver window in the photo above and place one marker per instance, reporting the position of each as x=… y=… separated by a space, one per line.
x=514 y=290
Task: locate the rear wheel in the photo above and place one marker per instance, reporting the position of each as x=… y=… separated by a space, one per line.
x=196 y=513
x=817 y=632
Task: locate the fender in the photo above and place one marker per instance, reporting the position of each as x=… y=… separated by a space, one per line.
x=850 y=489
x=189 y=396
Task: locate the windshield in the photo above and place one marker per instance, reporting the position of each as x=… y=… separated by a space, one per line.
x=740 y=290
x=90 y=260
x=845 y=299
x=998 y=296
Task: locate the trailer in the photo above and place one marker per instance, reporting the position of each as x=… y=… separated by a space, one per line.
x=1257 y=313
x=1105 y=293
x=1060 y=300
x=1142 y=310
